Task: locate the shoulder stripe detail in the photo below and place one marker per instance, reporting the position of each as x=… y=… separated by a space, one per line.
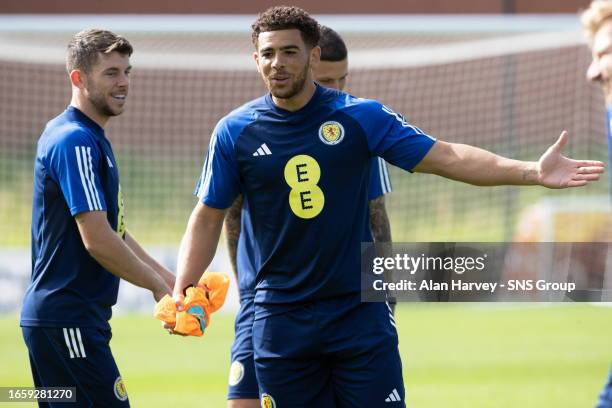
x=380 y=175
x=92 y=183
x=78 y=333
x=385 y=182
x=387 y=178
x=207 y=173
x=68 y=341
x=404 y=122
x=74 y=344
x=77 y=151
x=86 y=160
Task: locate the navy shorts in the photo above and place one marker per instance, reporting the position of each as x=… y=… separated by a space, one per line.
x=76 y=357
x=331 y=353
x=605 y=399
x=242 y=381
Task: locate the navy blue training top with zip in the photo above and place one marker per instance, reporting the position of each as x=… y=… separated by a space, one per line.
x=74 y=172
x=304 y=177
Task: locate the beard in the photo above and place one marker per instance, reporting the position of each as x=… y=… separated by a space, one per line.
x=294 y=88
x=98 y=101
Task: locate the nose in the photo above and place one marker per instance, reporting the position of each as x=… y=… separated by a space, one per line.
x=123 y=80
x=277 y=61
x=594 y=73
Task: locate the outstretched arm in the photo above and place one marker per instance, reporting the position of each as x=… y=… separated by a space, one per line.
x=198 y=246
x=480 y=167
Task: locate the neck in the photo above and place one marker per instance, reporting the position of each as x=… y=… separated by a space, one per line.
x=297 y=101
x=84 y=105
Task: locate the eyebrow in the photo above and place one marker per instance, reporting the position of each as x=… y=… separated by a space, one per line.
x=286 y=47
x=129 y=68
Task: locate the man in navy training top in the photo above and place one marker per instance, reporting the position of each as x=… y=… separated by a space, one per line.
x=80 y=245
x=315 y=343
x=243 y=392
x=597 y=24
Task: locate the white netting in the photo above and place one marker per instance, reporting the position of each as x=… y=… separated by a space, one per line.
x=508 y=85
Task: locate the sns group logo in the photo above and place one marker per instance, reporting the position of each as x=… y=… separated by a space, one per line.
x=331 y=133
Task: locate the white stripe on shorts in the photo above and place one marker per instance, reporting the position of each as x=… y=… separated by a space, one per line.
x=78 y=333
x=74 y=344
x=68 y=342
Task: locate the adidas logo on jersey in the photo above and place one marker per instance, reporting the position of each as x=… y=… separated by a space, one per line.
x=393 y=397
x=263 y=151
x=110 y=163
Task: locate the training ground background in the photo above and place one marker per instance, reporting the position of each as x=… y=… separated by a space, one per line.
x=454 y=355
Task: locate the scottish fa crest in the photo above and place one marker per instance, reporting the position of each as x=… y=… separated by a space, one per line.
x=119 y=389
x=331 y=133
x=267 y=401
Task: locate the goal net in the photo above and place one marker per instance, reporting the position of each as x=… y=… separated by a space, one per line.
x=510 y=85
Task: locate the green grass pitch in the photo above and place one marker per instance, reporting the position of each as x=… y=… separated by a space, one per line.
x=479 y=355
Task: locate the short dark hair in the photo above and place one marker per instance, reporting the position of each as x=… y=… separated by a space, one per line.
x=332 y=45
x=285 y=18
x=85 y=46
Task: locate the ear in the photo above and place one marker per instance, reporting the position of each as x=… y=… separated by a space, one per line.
x=76 y=78
x=256 y=58
x=315 y=56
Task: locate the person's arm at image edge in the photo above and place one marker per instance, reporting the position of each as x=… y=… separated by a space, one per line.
x=232 y=232
x=381 y=229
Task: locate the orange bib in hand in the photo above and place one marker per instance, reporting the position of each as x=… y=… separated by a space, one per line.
x=200 y=302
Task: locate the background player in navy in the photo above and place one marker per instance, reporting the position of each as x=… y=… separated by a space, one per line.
x=331 y=72
x=316 y=344
x=597 y=23
x=80 y=245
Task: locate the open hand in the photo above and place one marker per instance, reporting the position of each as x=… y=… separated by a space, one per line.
x=558 y=171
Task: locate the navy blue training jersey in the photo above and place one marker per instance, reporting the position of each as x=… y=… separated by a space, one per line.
x=380 y=184
x=74 y=171
x=304 y=177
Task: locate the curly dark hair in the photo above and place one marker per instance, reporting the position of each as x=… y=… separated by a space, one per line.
x=285 y=18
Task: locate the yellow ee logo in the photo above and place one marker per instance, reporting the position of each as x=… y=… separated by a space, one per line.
x=306 y=199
